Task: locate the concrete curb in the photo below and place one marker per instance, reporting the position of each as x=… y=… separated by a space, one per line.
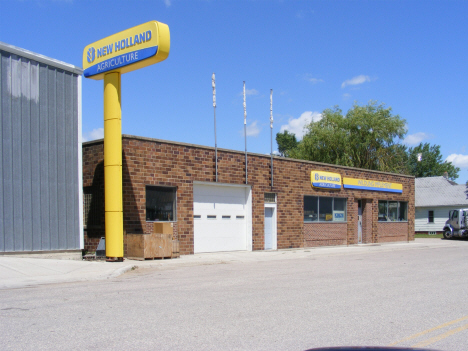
x=121 y=271
x=20 y=272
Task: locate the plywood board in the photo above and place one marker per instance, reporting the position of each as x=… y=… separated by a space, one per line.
x=163 y=228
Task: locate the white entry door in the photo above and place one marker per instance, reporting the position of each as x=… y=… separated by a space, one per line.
x=222 y=218
x=270 y=227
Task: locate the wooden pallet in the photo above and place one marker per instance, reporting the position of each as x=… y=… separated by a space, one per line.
x=149 y=246
x=149 y=258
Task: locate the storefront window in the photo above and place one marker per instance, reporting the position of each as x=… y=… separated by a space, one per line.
x=310 y=208
x=383 y=211
x=339 y=209
x=324 y=209
x=160 y=203
x=403 y=211
x=393 y=211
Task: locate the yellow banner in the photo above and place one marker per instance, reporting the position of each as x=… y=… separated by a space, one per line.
x=127 y=51
x=364 y=184
x=325 y=180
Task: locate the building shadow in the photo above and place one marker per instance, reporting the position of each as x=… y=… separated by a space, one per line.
x=131 y=216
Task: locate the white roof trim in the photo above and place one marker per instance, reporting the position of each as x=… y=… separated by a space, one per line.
x=40 y=58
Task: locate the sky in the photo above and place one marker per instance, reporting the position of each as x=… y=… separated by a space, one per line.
x=410 y=55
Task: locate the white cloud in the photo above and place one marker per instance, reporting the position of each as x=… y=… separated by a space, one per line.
x=167 y=3
x=97 y=133
x=356 y=81
x=296 y=125
x=249 y=92
x=313 y=80
x=415 y=139
x=458 y=160
x=252 y=129
x=346 y=96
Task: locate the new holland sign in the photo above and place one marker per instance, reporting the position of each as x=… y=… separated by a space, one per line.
x=127 y=51
x=325 y=180
x=108 y=59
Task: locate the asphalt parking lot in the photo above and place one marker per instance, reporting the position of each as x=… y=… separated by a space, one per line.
x=400 y=294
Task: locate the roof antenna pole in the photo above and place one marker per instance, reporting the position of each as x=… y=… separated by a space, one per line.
x=245 y=135
x=213 y=84
x=271 y=134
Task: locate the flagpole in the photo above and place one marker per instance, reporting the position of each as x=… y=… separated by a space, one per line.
x=245 y=136
x=213 y=84
x=271 y=134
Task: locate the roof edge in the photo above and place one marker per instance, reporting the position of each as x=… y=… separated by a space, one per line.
x=127 y=136
x=40 y=58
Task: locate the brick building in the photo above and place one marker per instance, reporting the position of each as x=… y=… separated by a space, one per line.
x=176 y=182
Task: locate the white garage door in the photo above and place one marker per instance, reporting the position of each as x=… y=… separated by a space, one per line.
x=222 y=220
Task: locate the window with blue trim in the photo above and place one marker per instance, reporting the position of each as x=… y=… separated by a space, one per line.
x=324 y=209
x=393 y=211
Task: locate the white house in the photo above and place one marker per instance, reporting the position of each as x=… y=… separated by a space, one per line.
x=434 y=198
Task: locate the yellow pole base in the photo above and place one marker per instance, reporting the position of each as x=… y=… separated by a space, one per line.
x=113 y=167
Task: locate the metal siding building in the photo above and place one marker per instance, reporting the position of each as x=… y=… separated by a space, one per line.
x=40 y=153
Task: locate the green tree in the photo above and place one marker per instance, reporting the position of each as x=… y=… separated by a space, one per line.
x=286 y=142
x=366 y=137
x=429 y=163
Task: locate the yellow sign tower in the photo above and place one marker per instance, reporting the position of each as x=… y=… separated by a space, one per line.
x=107 y=59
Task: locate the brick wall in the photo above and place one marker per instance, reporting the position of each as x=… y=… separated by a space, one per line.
x=325 y=234
x=155 y=162
x=392 y=231
x=367 y=220
x=91 y=242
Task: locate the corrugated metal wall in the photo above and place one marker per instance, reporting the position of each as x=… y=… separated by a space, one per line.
x=39 y=185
